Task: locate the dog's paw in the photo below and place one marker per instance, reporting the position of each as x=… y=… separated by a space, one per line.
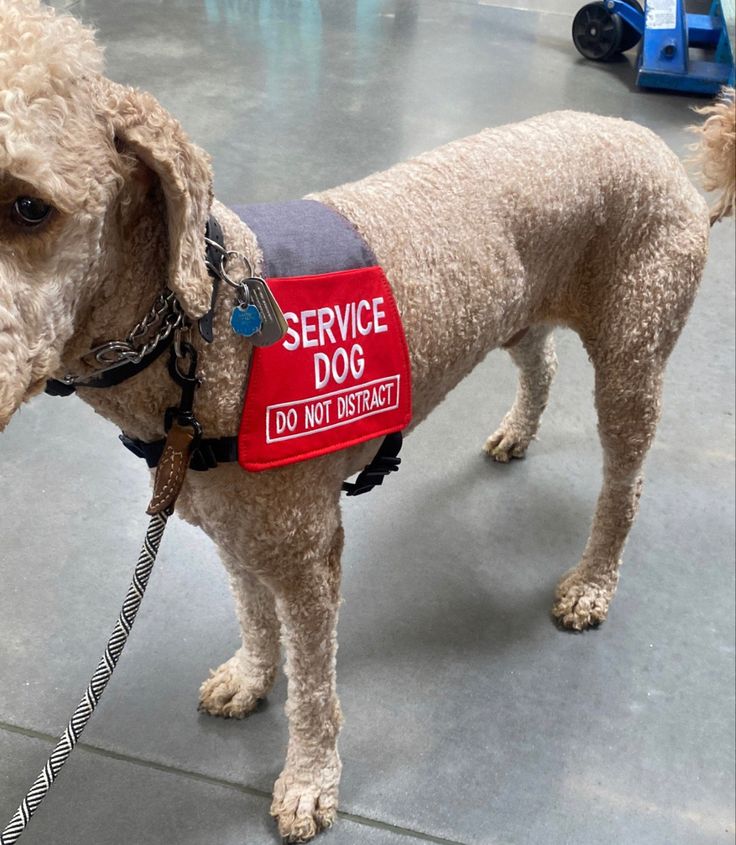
x=581 y=602
x=232 y=692
x=305 y=801
x=508 y=442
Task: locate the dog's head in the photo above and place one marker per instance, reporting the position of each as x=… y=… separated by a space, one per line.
x=79 y=155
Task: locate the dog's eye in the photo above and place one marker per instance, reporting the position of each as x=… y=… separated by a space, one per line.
x=30 y=211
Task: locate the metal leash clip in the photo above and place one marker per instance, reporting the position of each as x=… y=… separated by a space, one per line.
x=183 y=429
x=183 y=370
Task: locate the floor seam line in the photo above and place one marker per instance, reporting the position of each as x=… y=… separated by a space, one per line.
x=365 y=821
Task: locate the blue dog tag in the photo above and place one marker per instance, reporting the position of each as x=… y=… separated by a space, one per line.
x=246 y=320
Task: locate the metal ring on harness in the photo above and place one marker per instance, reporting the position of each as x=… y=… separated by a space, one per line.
x=225 y=256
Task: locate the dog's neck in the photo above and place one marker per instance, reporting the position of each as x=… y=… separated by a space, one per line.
x=131 y=273
x=136 y=273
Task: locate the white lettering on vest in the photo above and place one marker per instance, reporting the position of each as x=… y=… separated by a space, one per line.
x=332 y=325
x=335 y=323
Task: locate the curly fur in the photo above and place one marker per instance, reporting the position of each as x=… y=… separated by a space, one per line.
x=716 y=152
x=567 y=219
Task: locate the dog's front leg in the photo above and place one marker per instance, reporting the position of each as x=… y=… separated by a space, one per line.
x=307 y=597
x=235 y=688
x=280 y=535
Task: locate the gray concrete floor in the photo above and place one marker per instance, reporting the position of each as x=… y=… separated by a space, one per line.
x=469 y=717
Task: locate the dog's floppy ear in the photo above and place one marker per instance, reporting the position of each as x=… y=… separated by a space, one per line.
x=145 y=128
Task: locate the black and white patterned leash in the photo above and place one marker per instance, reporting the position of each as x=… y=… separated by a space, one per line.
x=102 y=675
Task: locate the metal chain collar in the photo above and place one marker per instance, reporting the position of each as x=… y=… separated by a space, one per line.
x=165 y=312
x=150 y=332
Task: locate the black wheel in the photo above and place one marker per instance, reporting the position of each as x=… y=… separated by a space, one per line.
x=596 y=32
x=629 y=36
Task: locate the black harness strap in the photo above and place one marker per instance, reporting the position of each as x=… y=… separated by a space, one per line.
x=212 y=232
x=384 y=463
x=211 y=451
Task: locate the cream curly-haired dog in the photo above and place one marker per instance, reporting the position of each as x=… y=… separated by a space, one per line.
x=567 y=219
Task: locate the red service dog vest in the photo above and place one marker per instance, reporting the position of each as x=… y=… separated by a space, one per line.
x=341 y=375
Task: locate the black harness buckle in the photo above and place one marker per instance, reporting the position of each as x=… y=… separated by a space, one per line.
x=384 y=463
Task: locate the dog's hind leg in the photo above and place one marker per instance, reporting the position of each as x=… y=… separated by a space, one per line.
x=235 y=688
x=632 y=328
x=534 y=355
x=628 y=400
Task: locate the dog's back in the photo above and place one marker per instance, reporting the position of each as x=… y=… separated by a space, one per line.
x=512 y=226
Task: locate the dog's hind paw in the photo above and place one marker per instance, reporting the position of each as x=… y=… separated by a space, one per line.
x=506 y=443
x=581 y=602
x=232 y=692
x=305 y=803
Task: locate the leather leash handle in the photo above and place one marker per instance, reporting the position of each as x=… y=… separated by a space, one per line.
x=172 y=468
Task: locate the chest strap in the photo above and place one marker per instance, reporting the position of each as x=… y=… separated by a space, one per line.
x=212 y=451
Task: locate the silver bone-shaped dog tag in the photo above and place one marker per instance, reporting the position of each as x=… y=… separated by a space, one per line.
x=273 y=326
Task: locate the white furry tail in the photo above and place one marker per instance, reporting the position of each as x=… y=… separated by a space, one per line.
x=716 y=152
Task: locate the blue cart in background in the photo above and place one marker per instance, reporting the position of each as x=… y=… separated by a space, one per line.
x=668 y=33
